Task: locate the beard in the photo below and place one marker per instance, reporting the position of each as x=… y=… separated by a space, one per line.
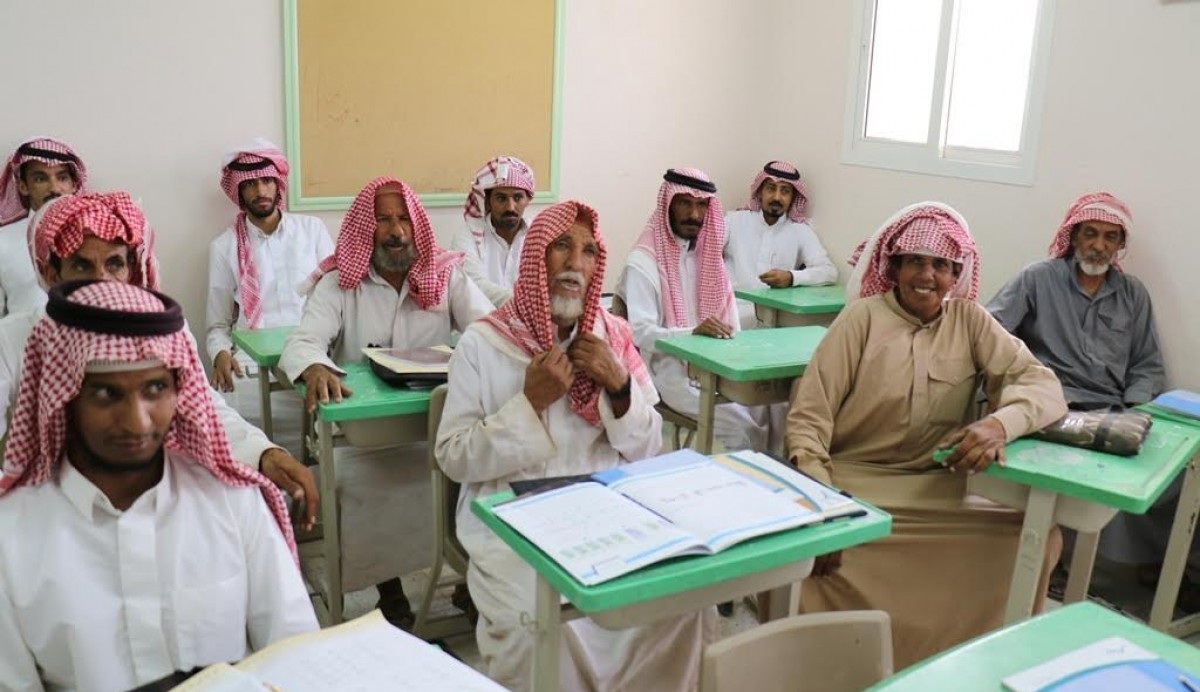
x=565 y=310
x=253 y=211
x=507 y=222
x=384 y=262
x=1093 y=263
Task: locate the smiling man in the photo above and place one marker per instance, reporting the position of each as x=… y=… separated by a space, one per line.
x=38 y=171
x=771 y=242
x=387 y=284
x=143 y=547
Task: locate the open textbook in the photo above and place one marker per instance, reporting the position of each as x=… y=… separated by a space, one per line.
x=364 y=654
x=410 y=367
x=682 y=503
x=1114 y=664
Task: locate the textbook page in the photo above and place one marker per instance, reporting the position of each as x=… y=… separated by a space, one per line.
x=720 y=507
x=594 y=533
x=433 y=360
x=364 y=654
x=785 y=481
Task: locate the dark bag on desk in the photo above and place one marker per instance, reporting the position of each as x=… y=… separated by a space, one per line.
x=1112 y=431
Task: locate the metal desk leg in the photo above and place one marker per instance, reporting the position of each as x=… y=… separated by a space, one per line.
x=330 y=533
x=1082 y=563
x=1178 y=548
x=1031 y=554
x=707 y=413
x=546 y=637
x=264 y=399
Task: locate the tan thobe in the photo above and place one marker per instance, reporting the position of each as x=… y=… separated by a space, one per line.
x=943 y=574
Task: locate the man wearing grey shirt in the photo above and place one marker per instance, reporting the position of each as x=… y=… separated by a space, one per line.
x=1093 y=325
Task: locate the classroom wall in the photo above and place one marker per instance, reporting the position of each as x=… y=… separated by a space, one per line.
x=1120 y=115
x=154 y=93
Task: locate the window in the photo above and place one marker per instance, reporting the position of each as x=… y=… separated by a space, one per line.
x=949 y=87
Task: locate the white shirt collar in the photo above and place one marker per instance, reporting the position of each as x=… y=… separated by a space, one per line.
x=87 y=498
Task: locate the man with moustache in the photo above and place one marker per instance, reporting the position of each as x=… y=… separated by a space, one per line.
x=39 y=170
x=256 y=266
x=771 y=242
x=387 y=284
x=676 y=283
x=494 y=225
x=549 y=385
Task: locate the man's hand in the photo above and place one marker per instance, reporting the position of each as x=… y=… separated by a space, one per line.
x=225 y=366
x=547 y=378
x=776 y=278
x=976 y=446
x=294 y=479
x=321 y=383
x=826 y=565
x=715 y=328
x=596 y=359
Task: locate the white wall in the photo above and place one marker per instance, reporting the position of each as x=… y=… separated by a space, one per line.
x=152 y=94
x=1121 y=114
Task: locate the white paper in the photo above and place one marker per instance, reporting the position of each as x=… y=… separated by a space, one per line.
x=1102 y=653
x=221 y=677
x=787 y=482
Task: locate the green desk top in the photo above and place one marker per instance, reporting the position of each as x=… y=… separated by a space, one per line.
x=1130 y=484
x=370 y=398
x=751 y=355
x=264 y=346
x=982 y=663
x=800 y=300
x=687 y=573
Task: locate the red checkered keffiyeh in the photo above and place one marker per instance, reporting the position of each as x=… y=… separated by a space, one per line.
x=78 y=333
x=928 y=228
x=45 y=150
x=1097 y=206
x=502 y=171
x=61 y=224
x=429 y=275
x=525 y=319
x=786 y=173
x=259 y=159
x=659 y=242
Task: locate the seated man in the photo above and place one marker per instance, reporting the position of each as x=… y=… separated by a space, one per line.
x=105 y=236
x=136 y=546
x=494 y=228
x=388 y=284
x=763 y=248
x=39 y=170
x=551 y=385
x=1093 y=325
x=676 y=283
x=256 y=266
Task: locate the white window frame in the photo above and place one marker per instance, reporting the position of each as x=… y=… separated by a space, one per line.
x=934 y=157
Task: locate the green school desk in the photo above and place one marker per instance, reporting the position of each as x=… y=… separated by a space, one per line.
x=795 y=306
x=360 y=416
x=982 y=663
x=674 y=587
x=755 y=367
x=1082 y=489
x=264 y=347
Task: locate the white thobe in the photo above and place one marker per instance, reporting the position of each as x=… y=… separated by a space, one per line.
x=19 y=289
x=734 y=425
x=753 y=247
x=383 y=492
x=493 y=263
x=94 y=598
x=246 y=442
x=490 y=435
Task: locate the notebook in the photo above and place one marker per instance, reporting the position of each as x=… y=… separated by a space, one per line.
x=1179 y=401
x=682 y=503
x=364 y=654
x=414 y=367
x=1114 y=664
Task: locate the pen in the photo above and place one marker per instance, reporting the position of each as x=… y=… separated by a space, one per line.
x=1188 y=684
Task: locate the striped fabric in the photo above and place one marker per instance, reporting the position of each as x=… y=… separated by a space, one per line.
x=799 y=200
x=1096 y=206
x=46 y=150
x=60 y=226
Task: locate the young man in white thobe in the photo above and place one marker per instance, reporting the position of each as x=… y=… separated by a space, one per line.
x=494 y=225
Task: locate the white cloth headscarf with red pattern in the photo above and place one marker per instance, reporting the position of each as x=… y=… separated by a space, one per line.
x=502 y=171
x=782 y=173
x=661 y=244
x=1095 y=206
x=429 y=274
x=58 y=356
x=525 y=320
x=258 y=159
x=60 y=226
x=45 y=150
x=928 y=228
